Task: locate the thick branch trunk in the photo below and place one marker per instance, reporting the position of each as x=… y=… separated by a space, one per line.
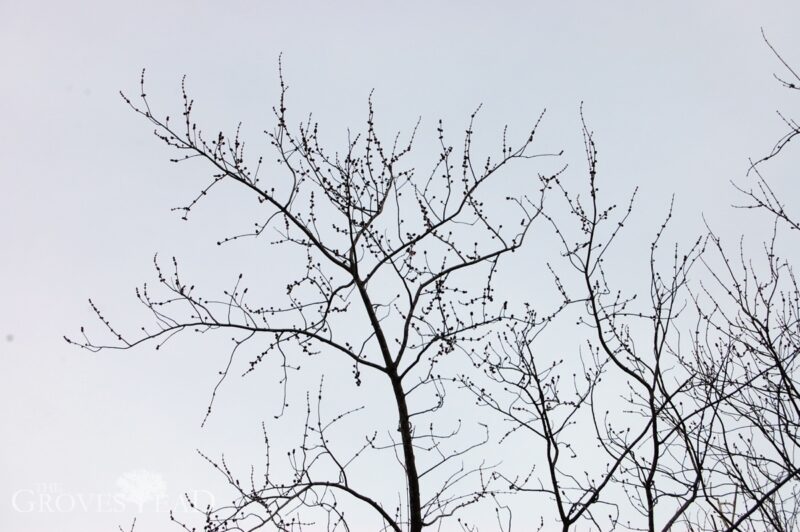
x=412 y=477
x=404 y=419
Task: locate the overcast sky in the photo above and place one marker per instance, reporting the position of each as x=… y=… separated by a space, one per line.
x=679 y=95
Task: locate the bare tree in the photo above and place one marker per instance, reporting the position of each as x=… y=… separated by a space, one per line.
x=676 y=410
x=683 y=409
x=750 y=368
x=388 y=286
x=618 y=435
x=751 y=311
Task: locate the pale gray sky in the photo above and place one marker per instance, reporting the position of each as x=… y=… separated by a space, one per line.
x=679 y=94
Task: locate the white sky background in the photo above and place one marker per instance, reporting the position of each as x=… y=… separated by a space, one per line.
x=679 y=96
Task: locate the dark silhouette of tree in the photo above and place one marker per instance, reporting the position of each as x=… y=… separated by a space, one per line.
x=383 y=287
x=680 y=409
x=752 y=311
x=617 y=431
x=683 y=410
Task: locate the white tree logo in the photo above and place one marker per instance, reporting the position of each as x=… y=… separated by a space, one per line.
x=141 y=486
